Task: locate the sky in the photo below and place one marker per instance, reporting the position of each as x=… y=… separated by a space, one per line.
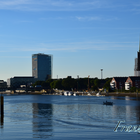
x=83 y=36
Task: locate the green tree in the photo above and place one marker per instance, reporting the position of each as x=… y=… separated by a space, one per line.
x=94 y=87
x=68 y=83
x=48 y=82
x=44 y=84
x=52 y=84
x=96 y=82
x=133 y=89
x=37 y=83
x=58 y=84
x=107 y=85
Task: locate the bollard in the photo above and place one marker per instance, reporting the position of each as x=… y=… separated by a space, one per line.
x=2 y=110
x=2 y=106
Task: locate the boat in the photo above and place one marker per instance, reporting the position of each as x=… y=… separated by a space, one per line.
x=88 y=94
x=98 y=94
x=74 y=94
x=107 y=103
x=66 y=93
x=70 y=93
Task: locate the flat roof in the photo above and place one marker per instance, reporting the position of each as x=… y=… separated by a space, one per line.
x=41 y=54
x=23 y=77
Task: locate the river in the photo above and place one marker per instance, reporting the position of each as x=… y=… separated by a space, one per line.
x=28 y=117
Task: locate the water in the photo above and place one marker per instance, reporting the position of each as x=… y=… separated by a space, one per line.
x=30 y=117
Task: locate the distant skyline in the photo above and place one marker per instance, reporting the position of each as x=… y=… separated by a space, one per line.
x=83 y=36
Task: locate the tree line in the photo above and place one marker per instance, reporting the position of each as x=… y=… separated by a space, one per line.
x=75 y=84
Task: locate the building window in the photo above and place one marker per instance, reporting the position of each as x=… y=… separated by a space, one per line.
x=34 y=56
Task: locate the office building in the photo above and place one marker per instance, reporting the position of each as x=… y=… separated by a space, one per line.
x=16 y=82
x=42 y=66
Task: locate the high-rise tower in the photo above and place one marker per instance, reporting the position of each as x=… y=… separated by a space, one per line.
x=42 y=66
x=137 y=64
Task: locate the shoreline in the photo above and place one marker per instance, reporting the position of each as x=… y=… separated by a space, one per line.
x=122 y=94
x=78 y=94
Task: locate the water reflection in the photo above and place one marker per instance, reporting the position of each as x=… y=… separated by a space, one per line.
x=42 y=120
x=138 y=114
x=97 y=115
x=128 y=111
x=125 y=98
x=2 y=121
x=50 y=116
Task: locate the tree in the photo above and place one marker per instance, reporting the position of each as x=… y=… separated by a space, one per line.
x=52 y=84
x=68 y=83
x=44 y=84
x=107 y=85
x=133 y=89
x=96 y=82
x=37 y=83
x=48 y=82
x=58 y=84
x=94 y=87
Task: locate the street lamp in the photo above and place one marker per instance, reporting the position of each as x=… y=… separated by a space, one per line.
x=88 y=82
x=101 y=73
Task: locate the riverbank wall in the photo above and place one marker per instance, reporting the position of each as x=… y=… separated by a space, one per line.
x=121 y=94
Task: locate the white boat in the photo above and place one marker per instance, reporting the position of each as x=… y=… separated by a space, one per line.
x=89 y=94
x=70 y=93
x=98 y=94
x=66 y=93
x=74 y=94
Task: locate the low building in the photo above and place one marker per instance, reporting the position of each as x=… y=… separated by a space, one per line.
x=3 y=84
x=118 y=83
x=132 y=81
x=16 y=82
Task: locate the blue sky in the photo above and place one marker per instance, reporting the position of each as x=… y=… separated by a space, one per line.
x=82 y=35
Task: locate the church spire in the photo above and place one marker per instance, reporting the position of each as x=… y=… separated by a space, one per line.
x=139 y=44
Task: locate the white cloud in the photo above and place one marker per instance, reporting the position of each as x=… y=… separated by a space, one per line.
x=13 y=2
x=96 y=18
x=82 y=18
x=52 y=5
x=88 y=18
x=78 y=46
x=65 y=5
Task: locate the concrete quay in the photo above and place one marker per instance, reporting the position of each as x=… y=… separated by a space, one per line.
x=78 y=93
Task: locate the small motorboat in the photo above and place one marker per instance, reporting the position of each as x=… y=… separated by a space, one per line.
x=107 y=103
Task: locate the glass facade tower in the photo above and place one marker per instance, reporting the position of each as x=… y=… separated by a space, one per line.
x=42 y=66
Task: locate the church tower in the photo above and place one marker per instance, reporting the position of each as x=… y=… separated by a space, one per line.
x=137 y=64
